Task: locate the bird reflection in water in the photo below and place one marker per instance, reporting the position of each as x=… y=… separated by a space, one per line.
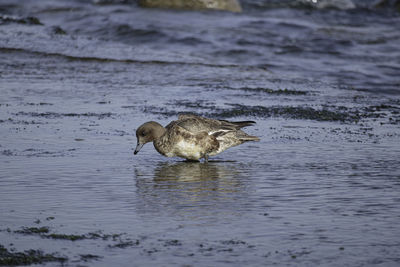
x=192 y=171
x=191 y=184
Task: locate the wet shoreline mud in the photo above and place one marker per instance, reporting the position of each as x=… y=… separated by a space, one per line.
x=320 y=188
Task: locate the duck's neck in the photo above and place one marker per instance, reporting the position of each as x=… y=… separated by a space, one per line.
x=161 y=141
x=159 y=131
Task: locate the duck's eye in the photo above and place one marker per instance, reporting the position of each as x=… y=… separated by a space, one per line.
x=143 y=133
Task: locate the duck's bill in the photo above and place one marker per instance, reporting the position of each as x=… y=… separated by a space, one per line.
x=138 y=147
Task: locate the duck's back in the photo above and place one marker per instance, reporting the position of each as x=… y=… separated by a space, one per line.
x=196 y=124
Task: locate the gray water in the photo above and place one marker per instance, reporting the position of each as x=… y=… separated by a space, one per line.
x=321 y=188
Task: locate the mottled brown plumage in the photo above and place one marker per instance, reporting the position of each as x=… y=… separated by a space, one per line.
x=193 y=137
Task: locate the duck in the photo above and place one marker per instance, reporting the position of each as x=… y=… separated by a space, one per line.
x=193 y=137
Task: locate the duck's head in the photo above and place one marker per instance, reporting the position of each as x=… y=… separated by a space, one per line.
x=148 y=132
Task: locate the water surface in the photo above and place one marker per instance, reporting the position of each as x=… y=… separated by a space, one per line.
x=321 y=188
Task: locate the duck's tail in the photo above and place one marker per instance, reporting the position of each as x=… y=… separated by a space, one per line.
x=249 y=138
x=241 y=124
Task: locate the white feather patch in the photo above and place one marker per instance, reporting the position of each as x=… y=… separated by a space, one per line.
x=187 y=150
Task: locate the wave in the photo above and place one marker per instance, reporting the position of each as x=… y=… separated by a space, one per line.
x=322 y=4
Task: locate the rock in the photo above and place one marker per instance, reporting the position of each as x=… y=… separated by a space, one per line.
x=228 y=5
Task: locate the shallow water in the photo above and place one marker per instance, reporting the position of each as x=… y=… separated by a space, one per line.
x=320 y=188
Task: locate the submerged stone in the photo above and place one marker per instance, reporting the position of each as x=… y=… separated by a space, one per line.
x=228 y=5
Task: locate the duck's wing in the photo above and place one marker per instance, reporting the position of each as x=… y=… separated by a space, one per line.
x=196 y=124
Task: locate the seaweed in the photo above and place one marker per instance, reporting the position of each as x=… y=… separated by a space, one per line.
x=27 y=257
x=271 y=91
x=44 y=232
x=89 y=257
x=33 y=230
x=288 y=112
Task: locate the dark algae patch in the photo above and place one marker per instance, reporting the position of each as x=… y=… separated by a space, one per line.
x=89 y=257
x=31 y=152
x=33 y=230
x=53 y=115
x=271 y=91
x=44 y=232
x=307 y=113
x=37 y=256
x=58 y=30
x=198 y=104
x=27 y=257
x=341 y=114
x=233 y=242
x=66 y=237
x=172 y=242
x=125 y=244
x=28 y=20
